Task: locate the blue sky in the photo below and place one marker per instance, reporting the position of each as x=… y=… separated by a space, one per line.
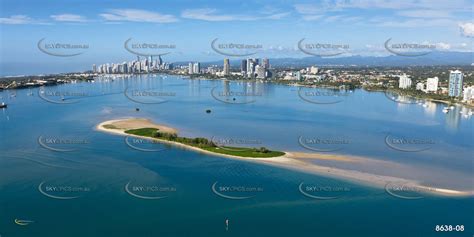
x=191 y=26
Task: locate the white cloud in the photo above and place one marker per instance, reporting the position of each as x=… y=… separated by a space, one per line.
x=210 y=14
x=16 y=20
x=425 y=13
x=69 y=18
x=467 y=29
x=136 y=15
x=312 y=17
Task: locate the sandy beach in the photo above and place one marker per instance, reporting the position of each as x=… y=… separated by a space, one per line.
x=291 y=160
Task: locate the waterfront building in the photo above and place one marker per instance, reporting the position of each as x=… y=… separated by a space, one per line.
x=404 y=82
x=226 y=70
x=420 y=86
x=432 y=84
x=455 y=83
x=190 y=68
x=243 y=67
x=468 y=94
x=197 y=68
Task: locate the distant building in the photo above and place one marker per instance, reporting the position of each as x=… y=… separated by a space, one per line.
x=190 y=68
x=243 y=67
x=298 y=76
x=455 y=83
x=468 y=93
x=313 y=70
x=94 y=68
x=404 y=82
x=260 y=71
x=420 y=86
x=432 y=84
x=226 y=67
x=196 y=68
x=266 y=63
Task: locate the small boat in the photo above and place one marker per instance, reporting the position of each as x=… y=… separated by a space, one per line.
x=445 y=110
x=3 y=105
x=23 y=222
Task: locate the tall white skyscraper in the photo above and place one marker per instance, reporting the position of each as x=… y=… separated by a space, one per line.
x=455 y=83
x=197 y=68
x=190 y=68
x=226 y=66
x=432 y=84
x=404 y=82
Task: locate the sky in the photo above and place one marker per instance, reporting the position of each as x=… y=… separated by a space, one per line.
x=102 y=29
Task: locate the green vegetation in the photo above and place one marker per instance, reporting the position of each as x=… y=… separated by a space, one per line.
x=206 y=144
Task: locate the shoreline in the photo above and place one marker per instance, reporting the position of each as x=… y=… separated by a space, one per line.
x=290 y=160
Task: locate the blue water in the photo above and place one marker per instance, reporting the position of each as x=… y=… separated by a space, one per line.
x=274 y=115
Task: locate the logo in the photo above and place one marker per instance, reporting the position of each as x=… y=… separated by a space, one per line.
x=317 y=143
x=322 y=96
x=399 y=98
x=407 y=144
x=322 y=192
x=62 y=192
x=148 y=96
x=149 y=192
x=406 y=191
x=322 y=49
x=145 y=145
x=60 y=97
x=234 y=97
x=60 y=144
x=409 y=50
x=61 y=49
x=148 y=49
x=235 y=192
x=235 y=49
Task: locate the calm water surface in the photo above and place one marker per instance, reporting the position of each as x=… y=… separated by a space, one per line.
x=78 y=188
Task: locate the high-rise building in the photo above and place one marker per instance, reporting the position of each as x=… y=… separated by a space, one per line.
x=94 y=68
x=226 y=66
x=432 y=84
x=266 y=63
x=313 y=70
x=197 y=68
x=455 y=83
x=404 y=82
x=243 y=67
x=190 y=68
x=260 y=71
